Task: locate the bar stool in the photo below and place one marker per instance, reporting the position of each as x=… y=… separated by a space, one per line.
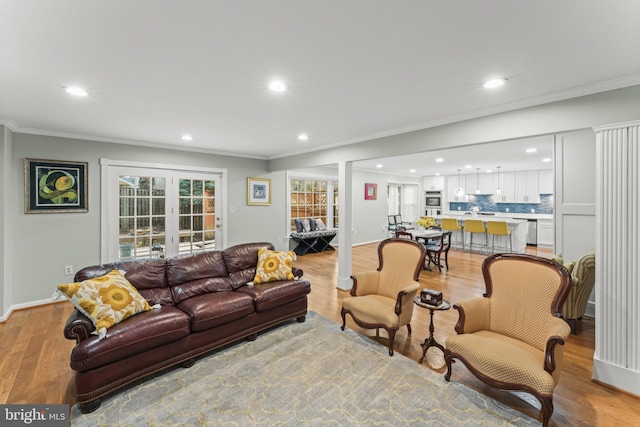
x=499 y=228
x=475 y=226
x=451 y=224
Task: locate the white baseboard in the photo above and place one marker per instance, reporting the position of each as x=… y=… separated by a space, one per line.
x=616 y=376
x=30 y=304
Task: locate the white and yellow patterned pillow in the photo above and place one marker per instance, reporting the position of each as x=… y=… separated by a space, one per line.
x=106 y=300
x=273 y=266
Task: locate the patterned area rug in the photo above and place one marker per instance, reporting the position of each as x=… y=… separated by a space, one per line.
x=301 y=374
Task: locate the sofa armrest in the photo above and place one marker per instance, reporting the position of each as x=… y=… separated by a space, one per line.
x=473 y=315
x=297 y=272
x=78 y=327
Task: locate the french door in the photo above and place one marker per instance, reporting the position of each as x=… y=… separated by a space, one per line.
x=157 y=213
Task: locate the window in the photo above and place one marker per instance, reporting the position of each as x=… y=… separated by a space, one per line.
x=313 y=197
x=402 y=199
x=157 y=213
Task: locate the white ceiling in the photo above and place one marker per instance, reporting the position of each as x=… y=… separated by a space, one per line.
x=357 y=69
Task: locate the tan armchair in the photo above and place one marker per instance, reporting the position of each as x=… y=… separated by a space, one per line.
x=512 y=337
x=583 y=278
x=384 y=298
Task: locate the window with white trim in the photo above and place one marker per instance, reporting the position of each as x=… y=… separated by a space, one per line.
x=313 y=197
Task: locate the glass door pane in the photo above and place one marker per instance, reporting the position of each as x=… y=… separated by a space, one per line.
x=198 y=222
x=141 y=217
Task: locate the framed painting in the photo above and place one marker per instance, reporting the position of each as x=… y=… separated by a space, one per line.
x=370 y=191
x=258 y=191
x=55 y=186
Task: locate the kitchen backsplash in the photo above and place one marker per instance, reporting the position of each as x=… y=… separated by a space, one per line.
x=486 y=204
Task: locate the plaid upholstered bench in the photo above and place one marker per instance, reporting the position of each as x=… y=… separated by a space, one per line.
x=316 y=238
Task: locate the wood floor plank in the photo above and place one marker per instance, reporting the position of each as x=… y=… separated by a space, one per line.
x=35 y=355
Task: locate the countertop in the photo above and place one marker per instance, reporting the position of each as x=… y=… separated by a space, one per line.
x=507 y=215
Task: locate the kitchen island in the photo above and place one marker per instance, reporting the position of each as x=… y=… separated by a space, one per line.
x=518 y=228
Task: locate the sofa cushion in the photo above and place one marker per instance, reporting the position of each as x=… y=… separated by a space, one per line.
x=106 y=300
x=198 y=274
x=273 y=266
x=241 y=261
x=267 y=296
x=209 y=310
x=135 y=335
x=148 y=276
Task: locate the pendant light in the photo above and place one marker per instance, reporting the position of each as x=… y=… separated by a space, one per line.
x=478 y=181
x=498 y=190
x=459 y=190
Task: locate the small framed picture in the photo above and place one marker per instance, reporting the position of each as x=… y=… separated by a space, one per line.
x=55 y=186
x=258 y=191
x=370 y=191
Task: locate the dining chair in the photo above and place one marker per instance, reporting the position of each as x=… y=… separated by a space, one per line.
x=441 y=245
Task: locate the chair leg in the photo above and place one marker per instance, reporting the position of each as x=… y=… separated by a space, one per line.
x=392 y=336
x=547 y=409
x=409 y=328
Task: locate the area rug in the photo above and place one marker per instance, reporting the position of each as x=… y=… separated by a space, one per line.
x=301 y=374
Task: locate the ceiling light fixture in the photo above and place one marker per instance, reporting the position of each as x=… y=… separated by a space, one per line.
x=531 y=150
x=468 y=166
x=76 y=91
x=303 y=137
x=478 y=181
x=546 y=159
x=498 y=190
x=459 y=190
x=277 y=86
x=439 y=160
x=494 y=83
x=379 y=166
x=187 y=137
x=412 y=170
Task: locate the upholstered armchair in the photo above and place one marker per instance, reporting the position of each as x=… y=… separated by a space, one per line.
x=512 y=337
x=583 y=278
x=384 y=298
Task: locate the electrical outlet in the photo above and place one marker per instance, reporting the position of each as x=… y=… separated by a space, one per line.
x=533 y=211
x=68 y=270
x=506 y=209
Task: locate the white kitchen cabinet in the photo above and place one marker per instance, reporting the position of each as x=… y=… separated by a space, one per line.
x=545 y=232
x=545 y=181
x=434 y=183
x=506 y=181
x=452 y=186
x=526 y=187
x=485 y=184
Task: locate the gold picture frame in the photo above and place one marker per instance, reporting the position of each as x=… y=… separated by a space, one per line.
x=55 y=186
x=258 y=191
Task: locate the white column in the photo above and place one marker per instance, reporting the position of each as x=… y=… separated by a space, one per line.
x=617 y=356
x=345 y=225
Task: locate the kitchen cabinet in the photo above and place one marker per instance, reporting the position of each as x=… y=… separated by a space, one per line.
x=545 y=232
x=545 y=181
x=434 y=183
x=506 y=183
x=452 y=186
x=526 y=187
x=484 y=184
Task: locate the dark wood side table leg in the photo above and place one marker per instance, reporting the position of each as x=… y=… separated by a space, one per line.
x=431 y=341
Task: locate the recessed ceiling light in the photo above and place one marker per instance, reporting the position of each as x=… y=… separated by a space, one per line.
x=439 y=160
x=531 y=150
x=303 y=137
x=187 y=137
x=437 y=173
x=546 y=159
x=378 y=166
x=489 y=171
x=467 y=166
x=76 y=91
x=412 y=170
x=494 y=83
x=277 y=86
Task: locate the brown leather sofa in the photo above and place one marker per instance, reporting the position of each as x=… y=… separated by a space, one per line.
x=205 y=303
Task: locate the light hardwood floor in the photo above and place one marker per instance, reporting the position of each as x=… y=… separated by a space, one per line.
x=35 y=356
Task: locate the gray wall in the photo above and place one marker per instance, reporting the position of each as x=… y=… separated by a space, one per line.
x=44 y=243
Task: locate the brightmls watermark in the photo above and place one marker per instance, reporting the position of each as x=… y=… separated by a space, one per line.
x=35 y=415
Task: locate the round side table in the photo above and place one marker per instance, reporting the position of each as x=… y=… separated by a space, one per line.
x=431 y=341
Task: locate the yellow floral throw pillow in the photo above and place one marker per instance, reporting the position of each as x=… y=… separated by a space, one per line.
x=273 y=265
x=106 y=300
